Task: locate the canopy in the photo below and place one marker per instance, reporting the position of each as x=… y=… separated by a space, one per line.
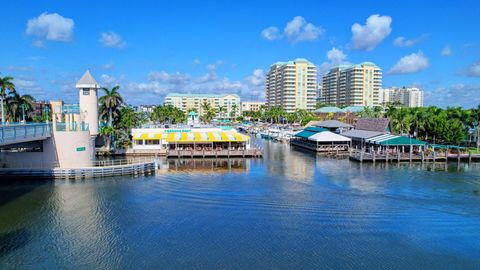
x=327 y=136
x=389 y=139
x=309 y=131
x=179 y=137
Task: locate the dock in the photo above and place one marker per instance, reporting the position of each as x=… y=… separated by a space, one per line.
x=102 y=169
x=363 y=156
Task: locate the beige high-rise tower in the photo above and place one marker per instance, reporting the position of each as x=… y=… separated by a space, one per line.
x=292 y=85
x=88 y=87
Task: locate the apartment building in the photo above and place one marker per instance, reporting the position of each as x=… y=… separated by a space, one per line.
x=292 y=85
x=352 y=85
x=252 y=106
x=185 y=102
x=408 y=96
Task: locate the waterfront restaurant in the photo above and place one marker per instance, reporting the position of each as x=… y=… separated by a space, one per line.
x=394 y=143
x=197 y=139
x=320 y=140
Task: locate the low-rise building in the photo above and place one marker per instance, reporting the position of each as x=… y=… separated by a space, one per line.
x=252 y=106
x=186 y=102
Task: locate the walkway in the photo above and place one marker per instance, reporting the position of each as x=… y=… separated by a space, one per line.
x=20 y=133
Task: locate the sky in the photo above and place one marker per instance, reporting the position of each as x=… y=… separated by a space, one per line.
x=152 y=48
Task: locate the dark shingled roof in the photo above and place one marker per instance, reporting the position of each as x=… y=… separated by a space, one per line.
x=373 y=124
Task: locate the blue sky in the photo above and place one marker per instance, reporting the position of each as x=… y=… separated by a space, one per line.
x=152 y=48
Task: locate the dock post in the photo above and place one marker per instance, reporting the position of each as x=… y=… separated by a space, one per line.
x=458 y=156
x=423 y=156
x=373 y=155
x=386 y=156
x=398 y=156
x=361 y=156
x=470 y=157
x=435 y=155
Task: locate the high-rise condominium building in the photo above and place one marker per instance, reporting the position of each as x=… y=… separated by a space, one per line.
x=352 y=85
x=408 y=96
x=252 y=106
x=292 y=85
x=185 y=102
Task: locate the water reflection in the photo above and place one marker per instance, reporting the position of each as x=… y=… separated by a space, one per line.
x=290 y=210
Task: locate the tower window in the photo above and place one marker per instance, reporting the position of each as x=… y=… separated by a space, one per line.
x=86 y=91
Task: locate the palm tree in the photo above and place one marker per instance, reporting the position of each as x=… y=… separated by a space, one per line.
x=221 y=111
x=111 y=101
x=234 y=110
x=18 y=104
x=6 y=84
x=205 y=107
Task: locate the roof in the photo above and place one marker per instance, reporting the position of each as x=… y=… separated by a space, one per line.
x=373 y=124
x=87 y=81
x=354 y=109
x=309 y=131
x=361 y=134
x=191 y=137
x=201 y=95
x=328 y=110
x=332 y=124
x=389 y=139
x=327 y=136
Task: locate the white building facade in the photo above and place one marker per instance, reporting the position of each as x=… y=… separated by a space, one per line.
x=407 y=96
x=251 y=106
x=186 y=102
x=292 y=85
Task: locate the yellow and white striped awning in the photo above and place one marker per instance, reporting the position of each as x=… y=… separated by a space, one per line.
x=193 y=137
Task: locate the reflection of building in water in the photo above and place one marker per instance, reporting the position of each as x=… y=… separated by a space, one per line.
x=209 y=165
x=288 y=162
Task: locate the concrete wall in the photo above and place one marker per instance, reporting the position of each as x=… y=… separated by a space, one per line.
x=89 y=109
x=64 y=149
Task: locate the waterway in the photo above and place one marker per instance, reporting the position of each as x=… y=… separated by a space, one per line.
x=289 y=210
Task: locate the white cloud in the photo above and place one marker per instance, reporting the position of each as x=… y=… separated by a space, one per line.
x=367 y=37
x=335 y=57
x=465 y=95
x=446 y=51
x=50 y=26
x=108 y=80
x=108 y=66
x=176 y=78
x=411 y=63
x=473 y=70
x=196 y=62
x=270 y=33
x=296 y=30
x=20 y=68
x=161 y=83
x=216 y=65
x=403 y=42
x=112 y=40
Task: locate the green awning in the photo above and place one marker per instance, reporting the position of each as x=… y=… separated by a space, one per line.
x=402 y=140
x=305 y=134
x=309 y=131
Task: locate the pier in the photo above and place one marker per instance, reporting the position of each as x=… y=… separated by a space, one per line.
x=253 y=152
x=101 y=169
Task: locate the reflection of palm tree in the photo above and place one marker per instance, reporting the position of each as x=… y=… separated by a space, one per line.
x=6 y=84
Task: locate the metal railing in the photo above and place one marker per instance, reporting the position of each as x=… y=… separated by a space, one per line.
x=24 y=132
x=62 y=127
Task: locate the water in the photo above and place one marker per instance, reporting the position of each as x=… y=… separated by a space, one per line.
x=291 y=210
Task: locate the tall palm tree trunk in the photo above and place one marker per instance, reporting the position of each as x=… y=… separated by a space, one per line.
x=3 y=111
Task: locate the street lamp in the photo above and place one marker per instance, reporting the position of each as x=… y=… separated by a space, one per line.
x=23 y=106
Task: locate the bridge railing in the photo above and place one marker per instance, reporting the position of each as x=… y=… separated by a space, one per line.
x=22 y=132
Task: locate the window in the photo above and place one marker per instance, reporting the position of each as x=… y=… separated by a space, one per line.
x=86 y=91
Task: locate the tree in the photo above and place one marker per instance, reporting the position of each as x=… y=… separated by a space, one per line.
x=6 y=84
x=110 y=102
x=18 y=105
x=107 y=132
x=167 y=114
x=233 y=112
x=221 y=111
